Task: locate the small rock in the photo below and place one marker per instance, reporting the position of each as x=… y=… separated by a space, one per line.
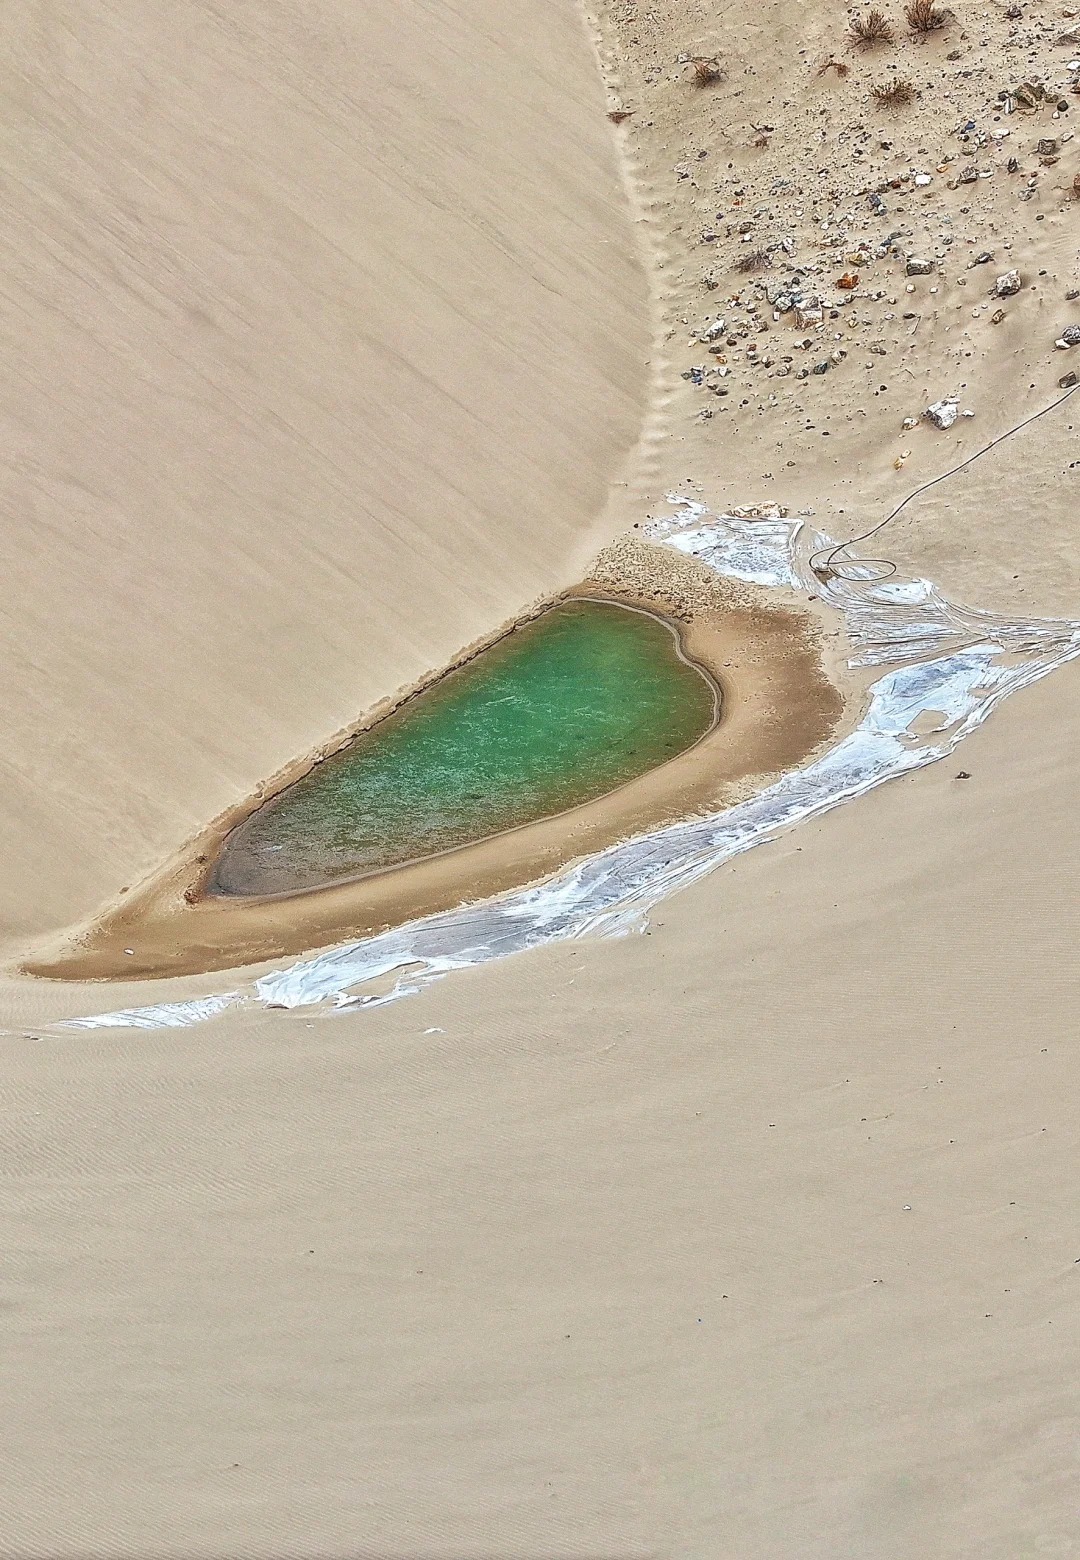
x=917 y=267
x=983 y=259
x=909 y=422
x=1067 y=381
x=1070 y=337
x=1048 y=147
x=1008 y=284
x=759 y=512
x=997 y=316
x=808 y=313
x=942 y=414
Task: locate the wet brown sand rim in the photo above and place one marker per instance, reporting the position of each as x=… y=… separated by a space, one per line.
x=776 y=707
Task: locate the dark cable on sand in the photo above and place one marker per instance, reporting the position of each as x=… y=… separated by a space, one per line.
x=824 y=562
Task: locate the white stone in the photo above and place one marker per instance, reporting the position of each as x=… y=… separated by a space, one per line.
x=942 y=414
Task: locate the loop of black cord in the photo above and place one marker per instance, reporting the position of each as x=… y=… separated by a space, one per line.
x=884 y=567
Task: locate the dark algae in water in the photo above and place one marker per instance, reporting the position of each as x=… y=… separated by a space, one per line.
x=562 y=710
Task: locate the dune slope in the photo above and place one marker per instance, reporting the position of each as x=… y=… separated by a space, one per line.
x=753 y=1236
x=325 y=334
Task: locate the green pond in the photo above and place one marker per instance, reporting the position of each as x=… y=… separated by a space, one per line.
x=562 y=710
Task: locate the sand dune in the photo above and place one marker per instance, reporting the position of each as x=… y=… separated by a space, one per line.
x=752 y=1236
x=325 y=337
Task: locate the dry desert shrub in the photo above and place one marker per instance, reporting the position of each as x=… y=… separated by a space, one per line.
x=870 y=28
x=706 y=73
x=894 y=94
x=757 y=260
x=923 y=16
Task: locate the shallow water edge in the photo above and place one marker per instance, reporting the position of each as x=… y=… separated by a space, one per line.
x=571 y=706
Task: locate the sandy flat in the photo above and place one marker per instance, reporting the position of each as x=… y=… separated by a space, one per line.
x=752 y=1236
x=601 y=1251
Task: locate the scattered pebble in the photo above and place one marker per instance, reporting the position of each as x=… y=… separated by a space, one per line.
x=817 y=256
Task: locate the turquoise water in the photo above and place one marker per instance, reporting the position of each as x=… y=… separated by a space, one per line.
x=566 y=708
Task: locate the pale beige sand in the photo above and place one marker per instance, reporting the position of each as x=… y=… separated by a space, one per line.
x=448 y=1279
x=325 y=337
